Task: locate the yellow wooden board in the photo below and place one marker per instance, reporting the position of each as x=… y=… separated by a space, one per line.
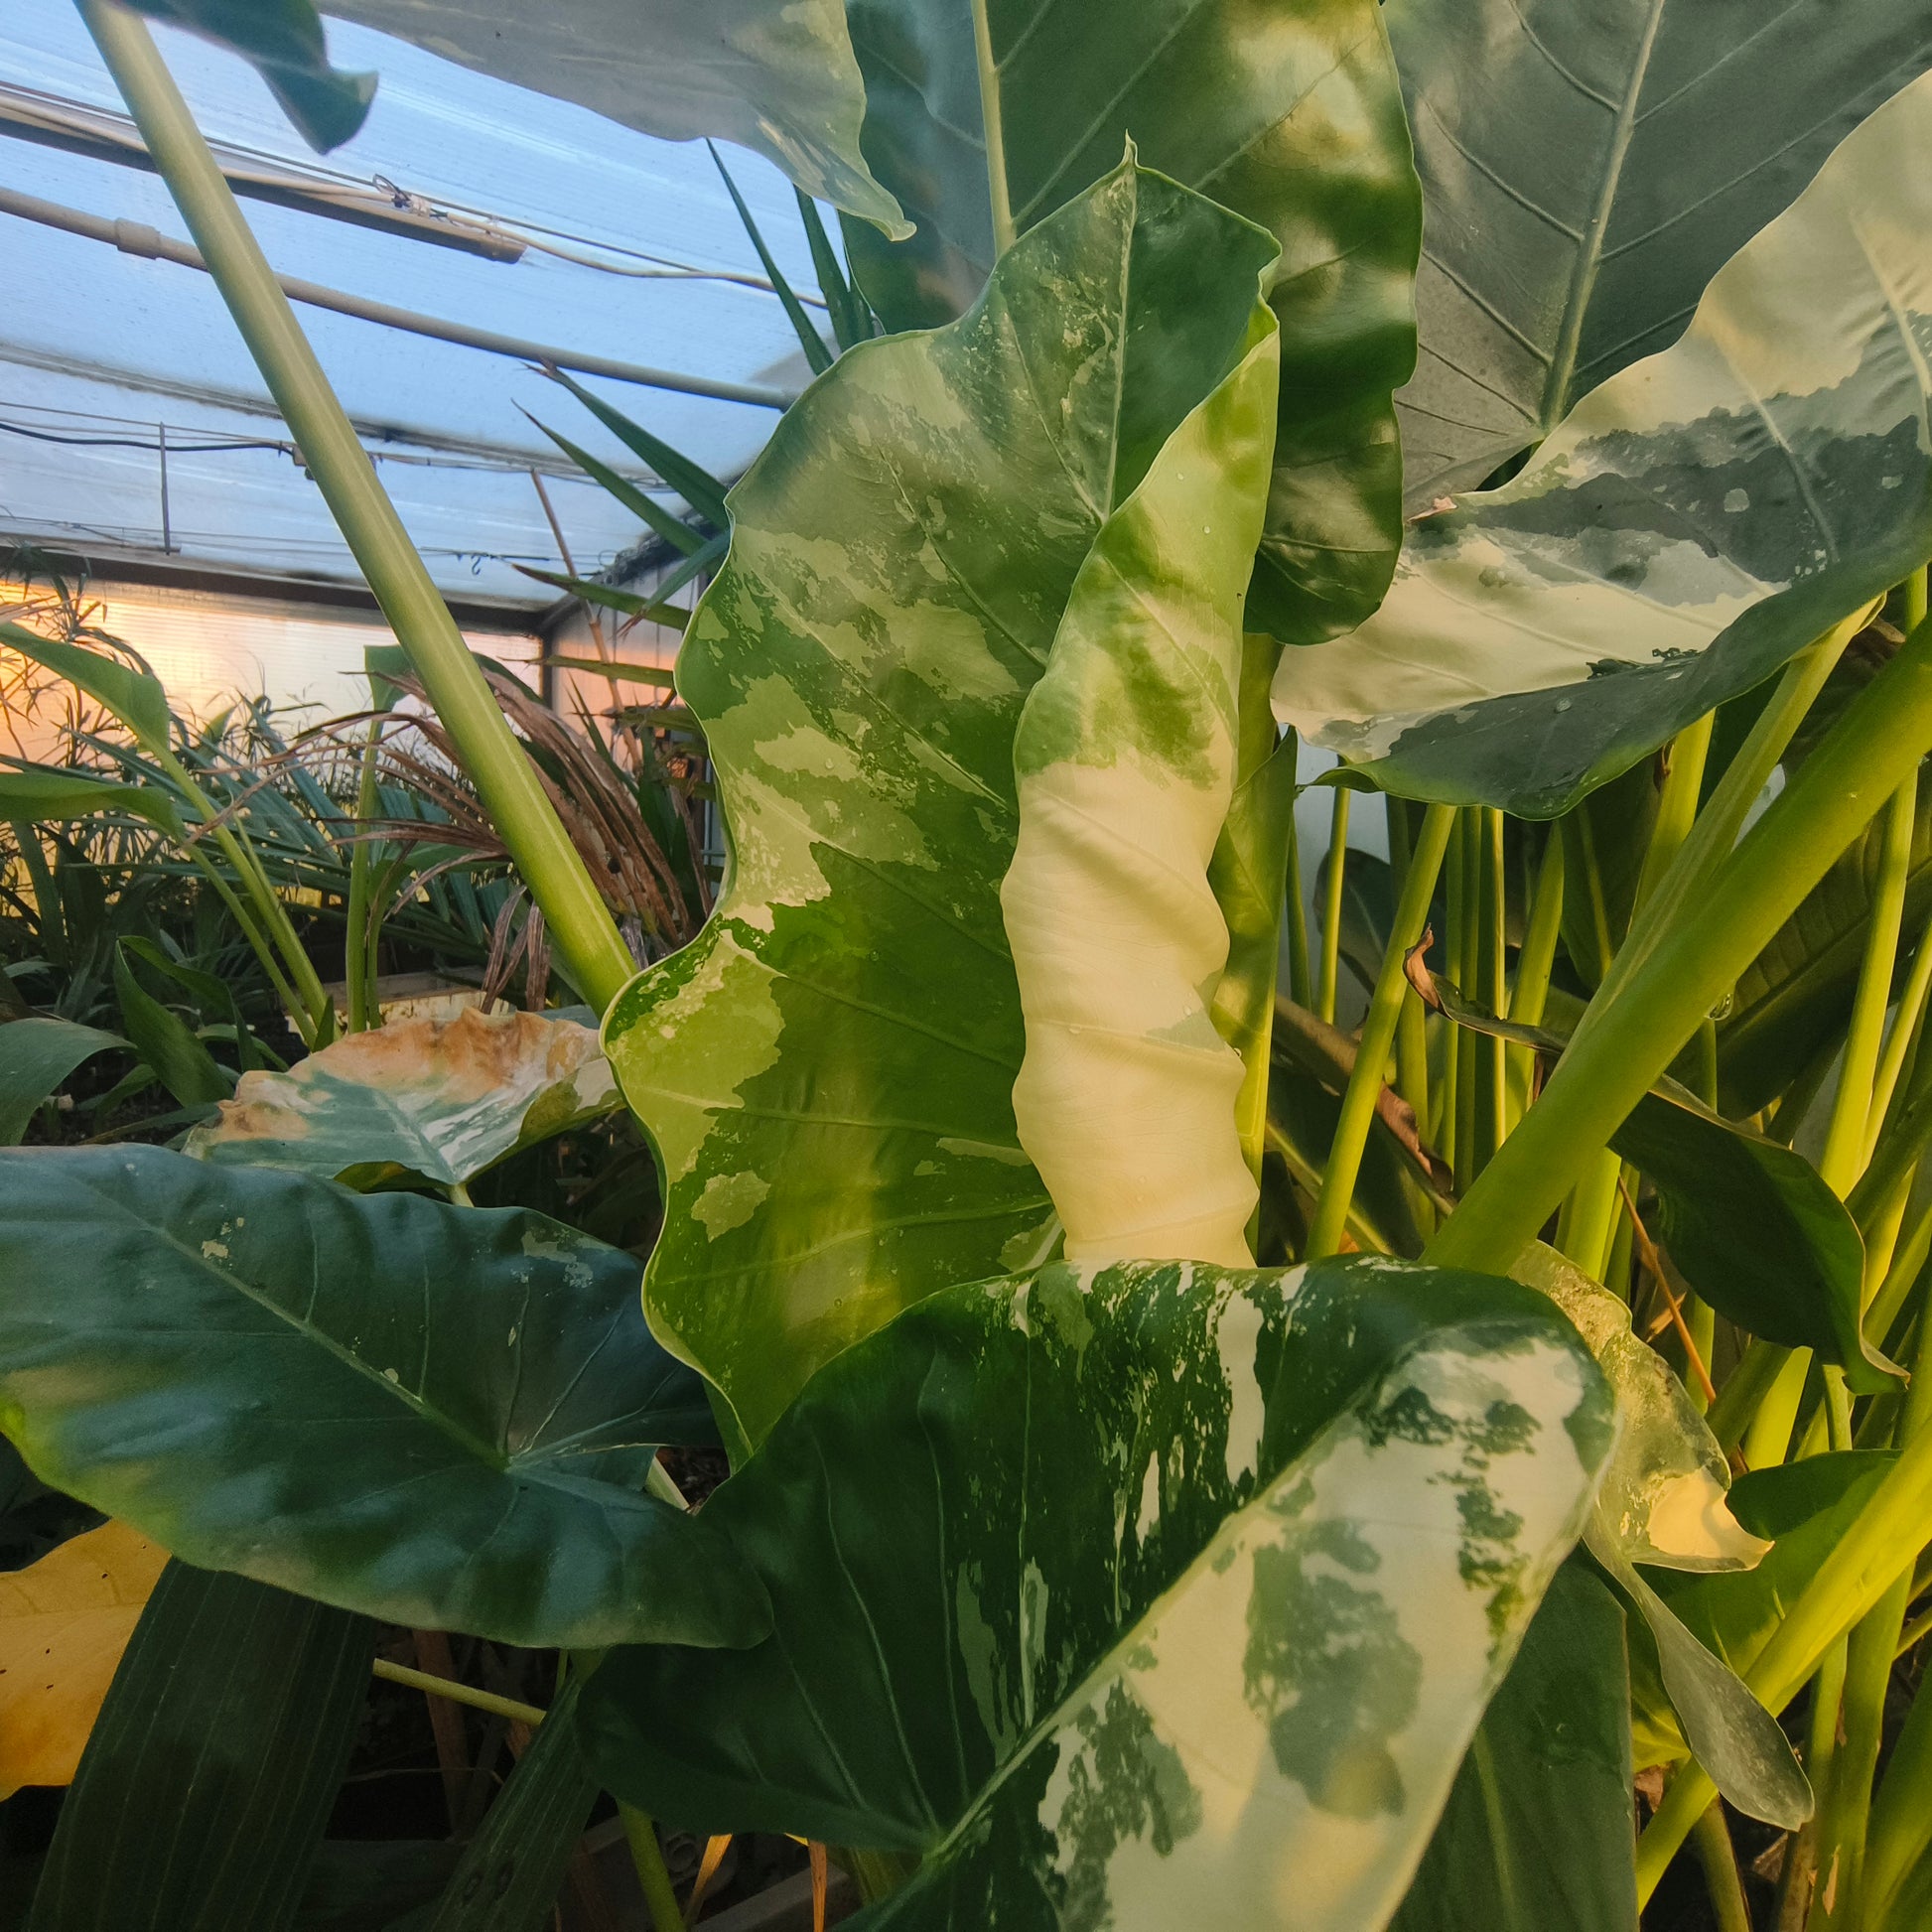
x=63 y=1623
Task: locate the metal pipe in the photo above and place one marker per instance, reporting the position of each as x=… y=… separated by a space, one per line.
x=138 y=238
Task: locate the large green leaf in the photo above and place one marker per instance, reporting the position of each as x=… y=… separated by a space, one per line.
x=440 y=1099
x=1288 y=115
x=284 y=40
x=1127 y=757
x=205 y=1788
x=1685 y=528
x=36 y=1054
x=773 y=75
x=1586 y=168
x=513 y=1868
x=382 y=1401
x=1207 y=1633
x=1536 y=1830
x=827 y=1072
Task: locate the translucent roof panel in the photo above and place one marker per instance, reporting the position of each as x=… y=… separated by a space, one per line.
x=105 y=355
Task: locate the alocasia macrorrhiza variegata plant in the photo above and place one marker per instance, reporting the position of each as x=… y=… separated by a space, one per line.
x=1093 y=1573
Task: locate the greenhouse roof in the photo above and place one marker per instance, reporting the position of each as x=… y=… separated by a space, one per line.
x=117 y=369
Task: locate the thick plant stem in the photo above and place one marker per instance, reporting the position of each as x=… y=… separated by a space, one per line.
x=1634 y=1028
x=1465 y=921
x=1492 y=987
x=1535 y=962
x=1677 y=806
x=584 y=932
x=1717 y=827
x=1844 y=1139
x=1301 y=977
x=999 y=197
x=1713 y=1840
x=647 y=1856
x=1906 y=1028
x=1378 y=1035
x=1332 y=896
x=1844 y=1805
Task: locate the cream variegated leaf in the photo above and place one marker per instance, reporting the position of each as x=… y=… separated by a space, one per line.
x=1127 y=759
x=440 y=1099
x=1686 y=528
x=828 y=1069
x=1204 y=1646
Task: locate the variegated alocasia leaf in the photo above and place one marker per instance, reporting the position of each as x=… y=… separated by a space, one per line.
x=827 y=1071
x=774 y=76
x=1127 y=759
x=1200 y=1645
x=1288 y=114
x=428 y=1412
x=440 y=1099
x=1663 y=1495
x=1536 y=1830
x=1683 y=531
x=1586 y=169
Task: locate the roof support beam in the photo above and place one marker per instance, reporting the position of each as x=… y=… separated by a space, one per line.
x=138 y=238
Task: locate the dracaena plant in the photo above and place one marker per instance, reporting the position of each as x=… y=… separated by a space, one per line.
x=1191 y=1464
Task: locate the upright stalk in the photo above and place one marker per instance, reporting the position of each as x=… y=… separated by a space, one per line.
x=1844 y=1139
x=997 y=194
x=1538 y=957
x=584 y=934
x=1682 y=963
x=1331 y=894
x=359 y=965
x=1301 y=977
x=1492 y=985
x=1378 y=1035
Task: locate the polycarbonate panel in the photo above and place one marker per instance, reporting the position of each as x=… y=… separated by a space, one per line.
x=104 y=350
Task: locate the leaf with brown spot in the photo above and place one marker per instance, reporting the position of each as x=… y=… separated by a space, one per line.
x=442 y=1099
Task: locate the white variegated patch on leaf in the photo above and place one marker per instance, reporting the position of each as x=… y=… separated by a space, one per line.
x=1201 y=1646
x=1686 y=528
x=1126 y=758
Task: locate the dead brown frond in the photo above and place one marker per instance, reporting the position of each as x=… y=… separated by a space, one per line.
x=594 y=797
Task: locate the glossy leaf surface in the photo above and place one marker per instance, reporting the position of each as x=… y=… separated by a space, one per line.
x=1288 y=115
x=774 y=76
x=1538 y=1827
x=1127 y=757
x=382 y=1401
x=207 y=1782
x=1209 y=1635
x=827 y=1072
x=440 y=1099
x=1586 y=169
x=1683 y=531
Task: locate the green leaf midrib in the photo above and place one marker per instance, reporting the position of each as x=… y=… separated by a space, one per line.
x=1582 y=284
